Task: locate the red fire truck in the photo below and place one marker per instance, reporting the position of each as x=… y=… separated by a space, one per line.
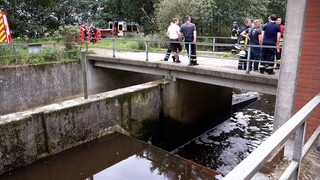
x=121 y=28
x=5 y=35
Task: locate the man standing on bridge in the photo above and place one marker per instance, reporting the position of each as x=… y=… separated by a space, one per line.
x=189 y=32
x=175 y=36
x=271 y=36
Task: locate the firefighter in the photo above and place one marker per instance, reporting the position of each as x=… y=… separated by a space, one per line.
x=235 y=32
x=81 y=29
x=93 y=33
x=189 y=32
x=243 y=40
x=271 y=36
x=255 y=38
x=279 y=50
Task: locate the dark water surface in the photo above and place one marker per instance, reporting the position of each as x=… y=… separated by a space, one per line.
x=119 y=157
x=114 y=157
x=226 y=145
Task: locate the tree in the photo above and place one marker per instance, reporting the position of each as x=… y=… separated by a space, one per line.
x=215 y=17
x=140 y=11
x=168 y=9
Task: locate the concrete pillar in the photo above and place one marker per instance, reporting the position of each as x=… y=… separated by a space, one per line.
x=294 y=26
x=187 y=101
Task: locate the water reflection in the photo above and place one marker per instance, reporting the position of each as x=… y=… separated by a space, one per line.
x=113 y=157
x=227 y=144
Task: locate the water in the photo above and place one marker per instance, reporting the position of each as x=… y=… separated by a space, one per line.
x=114 y=157
x=120 y=157
x=226 y=145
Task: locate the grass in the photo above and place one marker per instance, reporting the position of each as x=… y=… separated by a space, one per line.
x=53 y=51
x=124 y=44
x=18 y=54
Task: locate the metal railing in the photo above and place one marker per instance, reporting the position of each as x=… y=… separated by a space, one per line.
x=147 y=44
x=296 y=124
x=16 y=52
x=21 y=52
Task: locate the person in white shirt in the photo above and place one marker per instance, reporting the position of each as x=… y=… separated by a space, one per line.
x=175 y=37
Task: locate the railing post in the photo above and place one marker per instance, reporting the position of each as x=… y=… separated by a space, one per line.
x=318 y=146
x=86 y=46
x=84 y=74
x=15 y=54
x=146 y=50
x=113 y=49
x=297 y=151
x=213 y=44
x=248 y=59
x=189 y=52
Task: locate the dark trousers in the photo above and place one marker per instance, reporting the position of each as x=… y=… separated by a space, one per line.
x=193 y=50
x=256 y=56
x=268 y=55
x=278 y=58
x=242 y=63
x=169 y=49
x=234 y=41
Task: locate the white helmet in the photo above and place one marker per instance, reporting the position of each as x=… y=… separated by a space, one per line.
x=242 y=53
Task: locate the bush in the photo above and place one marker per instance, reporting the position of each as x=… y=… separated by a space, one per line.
x=72 y=53
x=7 y=54
x=36 y=59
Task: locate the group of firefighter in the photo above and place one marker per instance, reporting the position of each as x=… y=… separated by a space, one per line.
x=89 y=34
x=270 y=36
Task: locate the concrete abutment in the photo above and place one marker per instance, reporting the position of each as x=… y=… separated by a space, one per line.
x=35 y=133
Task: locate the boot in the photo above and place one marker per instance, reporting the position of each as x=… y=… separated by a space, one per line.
x=177 y=60
x=194 y=63
x=174 y=59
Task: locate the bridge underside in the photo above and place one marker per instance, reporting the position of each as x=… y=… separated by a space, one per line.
x=209 y=75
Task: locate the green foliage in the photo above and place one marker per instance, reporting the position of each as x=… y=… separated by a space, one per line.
x=215 y=17
x=72 y=53
x=66 y=33
x=38 y=18
x=36 y=59
x=51 y=54
x=7 y=54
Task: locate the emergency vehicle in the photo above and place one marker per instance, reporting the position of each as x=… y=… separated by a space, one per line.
x=5 y=35
x=121 y=28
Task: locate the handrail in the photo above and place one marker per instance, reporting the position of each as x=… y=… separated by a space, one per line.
x=213 y=44
x=250 y=165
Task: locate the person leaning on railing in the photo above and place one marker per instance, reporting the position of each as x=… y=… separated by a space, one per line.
x=255 y=38
x=243 y=41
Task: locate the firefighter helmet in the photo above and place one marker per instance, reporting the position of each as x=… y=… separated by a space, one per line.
x=242 y=53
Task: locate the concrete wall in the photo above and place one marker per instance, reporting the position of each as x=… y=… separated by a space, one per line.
x=186 y=101
x=25 y=87
x=29 y=135
x=104 y=79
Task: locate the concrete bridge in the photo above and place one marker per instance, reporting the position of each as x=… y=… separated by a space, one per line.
x=215 y=71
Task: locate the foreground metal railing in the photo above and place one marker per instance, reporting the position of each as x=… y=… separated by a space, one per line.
x=296 y=124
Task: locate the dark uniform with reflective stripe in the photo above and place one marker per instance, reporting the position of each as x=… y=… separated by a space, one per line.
x=187 y=30
x=242 y=64
x=279 y=50
x=271 y=30
x=255 y=51
x=235 y=32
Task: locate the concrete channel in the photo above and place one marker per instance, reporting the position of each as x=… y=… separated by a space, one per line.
x=53 y=127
